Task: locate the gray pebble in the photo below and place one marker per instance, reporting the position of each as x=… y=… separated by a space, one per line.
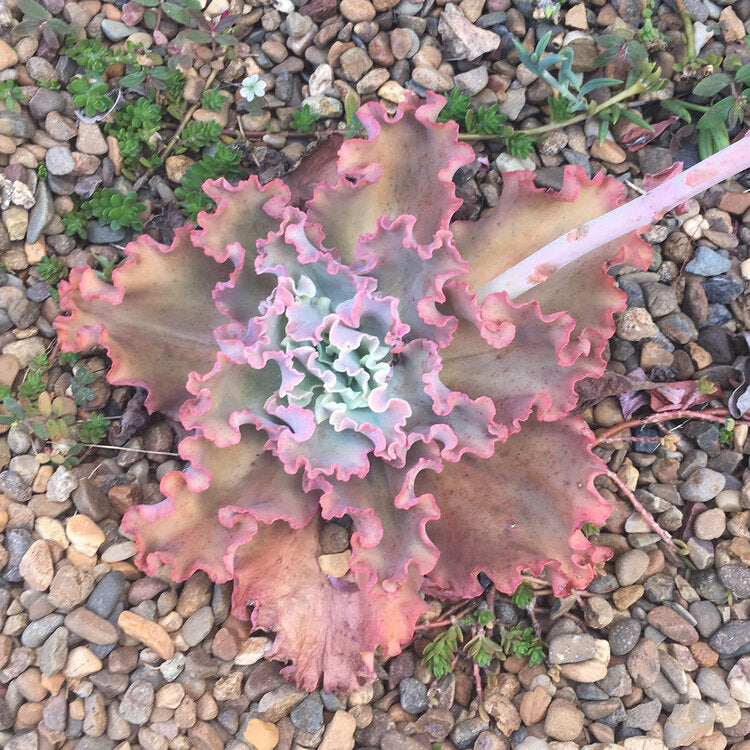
x=59 y=160
x=702 y=485
x=465 y=732
x=707 y=617
x=712 y=685
x=736 y=578
x=198 y=626
x=623 y=636
x=308 y=716
x=106 y=593
x=37 y=631
x=708 y=262
x=17 y=541
x=733 y=639
x=54 y=652
x=413 y=695
x=138 y=702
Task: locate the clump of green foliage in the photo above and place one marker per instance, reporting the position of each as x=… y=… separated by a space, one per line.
x=304 y=120
x=115 y=210
x=37 y=412
x=485 y=121
x=136 y=127
x=727 y=104
x=474 y=636
x=52 y=270
x=112 y=209
x=197 y=135
x=90 y=95
x=224 y=163
x=10 y=92
x=213 y=99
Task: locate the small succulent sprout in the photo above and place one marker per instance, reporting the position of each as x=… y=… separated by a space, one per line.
x=252 y=88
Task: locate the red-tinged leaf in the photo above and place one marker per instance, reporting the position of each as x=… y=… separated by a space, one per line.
x=389 y=520
x=515 y=356
x=385 y=183
x=324 y=626
x=527 y=504
x=215 y=506
x=513 y=229
x=156 y=321
x=319 y=166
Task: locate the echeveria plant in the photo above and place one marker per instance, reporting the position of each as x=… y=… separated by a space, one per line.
x=333 y=361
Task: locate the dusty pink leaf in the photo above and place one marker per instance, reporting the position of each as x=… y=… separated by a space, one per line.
x=215 y=506
x=386 y=183
x=528 y=503
x=156 y=320
x=323 y=626
x=513 y=228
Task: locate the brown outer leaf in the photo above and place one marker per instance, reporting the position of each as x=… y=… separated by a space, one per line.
x=514 y=228
x=215 y=506
x=323 y=626
x=521 y=509
x=387 y=184
x=514 y=355
x=156 y=322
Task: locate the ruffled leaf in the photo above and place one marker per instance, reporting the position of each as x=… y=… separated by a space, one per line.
x=521 y=509
x=215 y=506
x=323 y=626
x=405 y=167
x=156 y=320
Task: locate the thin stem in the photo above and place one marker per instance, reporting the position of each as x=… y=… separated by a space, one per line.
x=650 y=520
x=633 y=216
x=687 y=22
x=696 y=107
x=134 y=450
x=634 y=90
x=709 y=415
x=174 y=140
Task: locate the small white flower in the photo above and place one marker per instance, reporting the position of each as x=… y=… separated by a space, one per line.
x=252 y=87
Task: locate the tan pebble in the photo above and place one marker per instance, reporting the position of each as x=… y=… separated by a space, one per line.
x=357 y=11
x=626 y=596
x=84 y=534
x=170 y=696
x=8 y=56
x=36 y=566
x=392 y=91
x=41 y=478
x=81 y=663
x=176 y=167
x=261 y=734
x=575 y=18
x=52 y=530
x=564 y=721
x=6 y=145
x=608 y=151
x=147 y=632
x=710 y=524
x=339 y=734
x=534 y=705
x=336 y=565
x=252 y=650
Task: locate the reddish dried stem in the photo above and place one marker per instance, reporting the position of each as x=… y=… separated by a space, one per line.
x=650 y=520
x=708 y=415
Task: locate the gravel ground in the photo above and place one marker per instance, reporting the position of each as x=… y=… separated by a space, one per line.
x=94 y=656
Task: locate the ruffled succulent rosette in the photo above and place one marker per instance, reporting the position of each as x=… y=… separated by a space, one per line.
x=334 y=363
